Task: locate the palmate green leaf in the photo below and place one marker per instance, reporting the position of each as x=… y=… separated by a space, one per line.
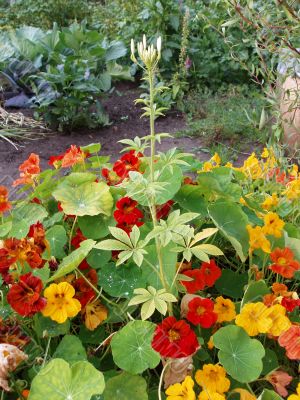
x=232 y=222
x=60 y=381
x=72 y=261
x=90 y=198
x=239 y=355
x=126 y=387
x=135 y=338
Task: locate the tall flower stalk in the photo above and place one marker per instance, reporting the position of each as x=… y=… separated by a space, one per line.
x=149 y=57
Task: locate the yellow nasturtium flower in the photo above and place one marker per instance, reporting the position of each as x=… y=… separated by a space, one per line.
x=293 y=190
x=280 y=322
x=212 y=379
x=225 y=309
x=60 y=303
x=270 y=201
x=182 y=391
x=254 y=318
x=252 y=167
x=207 y=395
x=273 y=225
x=257 y=239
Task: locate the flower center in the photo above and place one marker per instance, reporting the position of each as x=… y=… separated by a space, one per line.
x=281 y=260
x=173 y=335
x=200 y=310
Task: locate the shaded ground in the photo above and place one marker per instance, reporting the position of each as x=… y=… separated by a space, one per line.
x=126 y=123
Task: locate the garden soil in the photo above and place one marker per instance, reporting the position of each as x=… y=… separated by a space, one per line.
x=125 y=123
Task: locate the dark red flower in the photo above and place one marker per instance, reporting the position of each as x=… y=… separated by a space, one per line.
x=189 y=181
x=127 y=212
x=37 y=232
x=6 y=260
x=5 y=205
x=210 y=273
x=163 y=210
x=174 y=339
x=77 y=239
x=128 y=227
x=201 y=312
x=196 y=284
x=54 y=161
x=128 y=162
x=24 y=297
x=84 y=292
x=290 y=304
x=111 y=177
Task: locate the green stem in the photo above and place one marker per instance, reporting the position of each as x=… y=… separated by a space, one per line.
x=161 y=380
x=152 y=119
x=46 y=352
x=71 y=233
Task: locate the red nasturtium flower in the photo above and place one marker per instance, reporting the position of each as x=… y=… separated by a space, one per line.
x=28 y=170
x=111 y=177
x=25 y=296
x=290 y=340
x=5 y=205
x=77 y=239
x=284 y=263
x=290 y=304
x=84 y=292
x=174 y=339
x=196 y=284
x=210 y=273
x=128 y=162
x=201 y=312
x=127 y=211
x=163 y=210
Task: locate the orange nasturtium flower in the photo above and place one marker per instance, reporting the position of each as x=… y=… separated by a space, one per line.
x=284 y=263
x=212 y=378
x=28 y=170
x=182 y=391
x=94 y=314
x=207 y=395
x=60 y=302
x=225 y=309
x=273 y=225
x=5 y=205
x=254 y=318
x=257 y=239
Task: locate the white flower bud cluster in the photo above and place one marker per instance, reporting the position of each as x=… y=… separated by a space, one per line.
x=148 y=54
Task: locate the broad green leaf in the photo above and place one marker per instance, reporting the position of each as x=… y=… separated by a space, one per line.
x=269 y=395
x=239 y=355
x=169 y=260
x=232 y=283
x=190 y=197
x=5 y=228
x=95 y=227
x=19 y=229
x=232 y=222
x=92 y=337
x=70 y=349
x=98 y=258
x=91 y=148
x=45 y=327
x=42 y=273
x=126 y=387
x=72 y=261
x=60 y=381
x=294 y=245
x=91 y=198
x=120 y=281
x=57 y=238
x=29 y=213
x=135 y=338
x=255 y=292
x=270 y=362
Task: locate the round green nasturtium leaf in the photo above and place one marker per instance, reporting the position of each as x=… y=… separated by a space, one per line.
x=57 y=238
x=92 y=337
x=46 y=327
x=5 y=228
x=19 y=229
x=190 y=197
x=95 y=227
x=60 y=381
x=131 y=347
x=29 y=213
x=231 y=283
x=239 y=355
x=70 y=349
x=121 y=281
x=126 y=387
x=72 y=261
x=97 y=258
x=90 y=198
